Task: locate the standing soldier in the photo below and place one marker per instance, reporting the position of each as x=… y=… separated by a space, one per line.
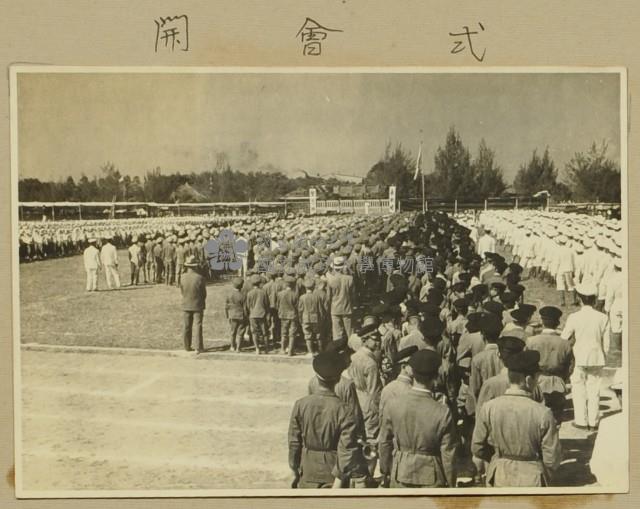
x=194 y=295
x=287 y=303
x=341 y=291
x=516 y=435
x=180 y=256
x=257 y=307
x=418 y=438
x=134 y=260
x=323 y=446
x=91 y=265
x=143 y=261
x=365 y=373
x=169 y=260
x=556 y=360
x=157 y=260
x=586 y=330
x=234 y=310
x=309 y=311
x=109 y=259
x=402 y=383
x=151 y=265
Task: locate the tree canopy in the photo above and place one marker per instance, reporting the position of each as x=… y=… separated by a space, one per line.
x=592 y=176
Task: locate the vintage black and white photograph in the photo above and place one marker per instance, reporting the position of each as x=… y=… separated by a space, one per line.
x=319 y=281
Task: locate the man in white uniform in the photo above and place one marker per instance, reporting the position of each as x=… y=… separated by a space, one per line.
x=486 y=243
x=586 y=329
x=91 y=265
x=109 y=258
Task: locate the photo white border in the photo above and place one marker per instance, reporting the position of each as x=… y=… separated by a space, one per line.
x=21 y=493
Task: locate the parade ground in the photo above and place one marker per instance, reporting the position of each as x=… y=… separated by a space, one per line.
x=162 y=418
x=56 y=309
x=180 y=422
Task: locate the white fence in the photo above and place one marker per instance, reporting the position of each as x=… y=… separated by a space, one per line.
x=354 y=206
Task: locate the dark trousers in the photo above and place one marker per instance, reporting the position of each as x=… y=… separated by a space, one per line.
x=169 y=271
x=159 y=270
x=192 y=327
x=135 y=272
x=237 y=331
x=258 y=330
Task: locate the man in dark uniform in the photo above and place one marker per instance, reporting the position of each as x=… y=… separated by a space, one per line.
x=403 y=382
x=517 y=435
x=194 y=296
x=497 y=385
x=257 y=305
x=556 y=360
x=418 y=438
x=235 y=312
x=323 y=442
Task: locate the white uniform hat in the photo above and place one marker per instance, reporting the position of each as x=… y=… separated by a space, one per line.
x=587 y=289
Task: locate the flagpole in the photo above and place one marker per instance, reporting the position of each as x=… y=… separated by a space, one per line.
x=422 y=175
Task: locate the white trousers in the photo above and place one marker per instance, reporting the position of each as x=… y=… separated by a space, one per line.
x=112 y=276
x=585 y=390
x=92 y=279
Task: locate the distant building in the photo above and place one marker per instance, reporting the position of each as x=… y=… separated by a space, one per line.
x=347 y=179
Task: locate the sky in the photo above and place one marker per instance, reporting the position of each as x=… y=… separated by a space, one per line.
x=72 y=124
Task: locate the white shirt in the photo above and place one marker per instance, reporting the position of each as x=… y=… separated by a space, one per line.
x=486 y=244
x=589 y=327
x=109 y=255
x=610 y=452
x=91 y=258
x=134 y=254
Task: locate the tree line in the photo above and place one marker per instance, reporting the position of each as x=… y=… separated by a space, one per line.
x=587 y=177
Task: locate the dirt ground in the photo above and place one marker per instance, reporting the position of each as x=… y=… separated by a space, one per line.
x=104 y=421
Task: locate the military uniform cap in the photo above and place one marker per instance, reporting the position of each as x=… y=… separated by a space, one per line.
x=491 y=323
x=289 y=279
x=309 y=283
x=494 y=307
x=525 y=362
x=403 y=355
x=368 y=330
x=256 y=279
x=328 y=365
x=460 y=303
x=587 y=289
x=550 y=312
x=425 y=362
x=498 y=285
x=237 y=282
x=511 y=344
x=523 y=313
x=432 y=328
x=508 y=298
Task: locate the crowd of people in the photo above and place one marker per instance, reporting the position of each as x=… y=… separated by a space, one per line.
x=426 y=351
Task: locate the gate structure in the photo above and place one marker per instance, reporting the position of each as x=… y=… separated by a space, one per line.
x=353 y=206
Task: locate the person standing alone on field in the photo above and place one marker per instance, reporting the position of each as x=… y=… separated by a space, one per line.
x=109 y=259
x=194 y=295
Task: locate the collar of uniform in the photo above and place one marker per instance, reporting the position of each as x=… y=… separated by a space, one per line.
x=323 y=391
x=549 y=331
x=491 y=346
x=404 y=379
x=418 y=390
x=518 y=392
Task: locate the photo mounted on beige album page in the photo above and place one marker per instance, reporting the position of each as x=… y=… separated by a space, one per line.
x=319 y=281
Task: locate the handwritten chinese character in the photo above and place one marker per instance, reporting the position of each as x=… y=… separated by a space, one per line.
x=366 y=264
x=172 y=32
x=460 y=46
x=311 y=34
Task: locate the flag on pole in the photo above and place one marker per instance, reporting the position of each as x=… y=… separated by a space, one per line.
x=418 y=163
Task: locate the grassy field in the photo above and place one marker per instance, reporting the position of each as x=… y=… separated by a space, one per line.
x=55 y=308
